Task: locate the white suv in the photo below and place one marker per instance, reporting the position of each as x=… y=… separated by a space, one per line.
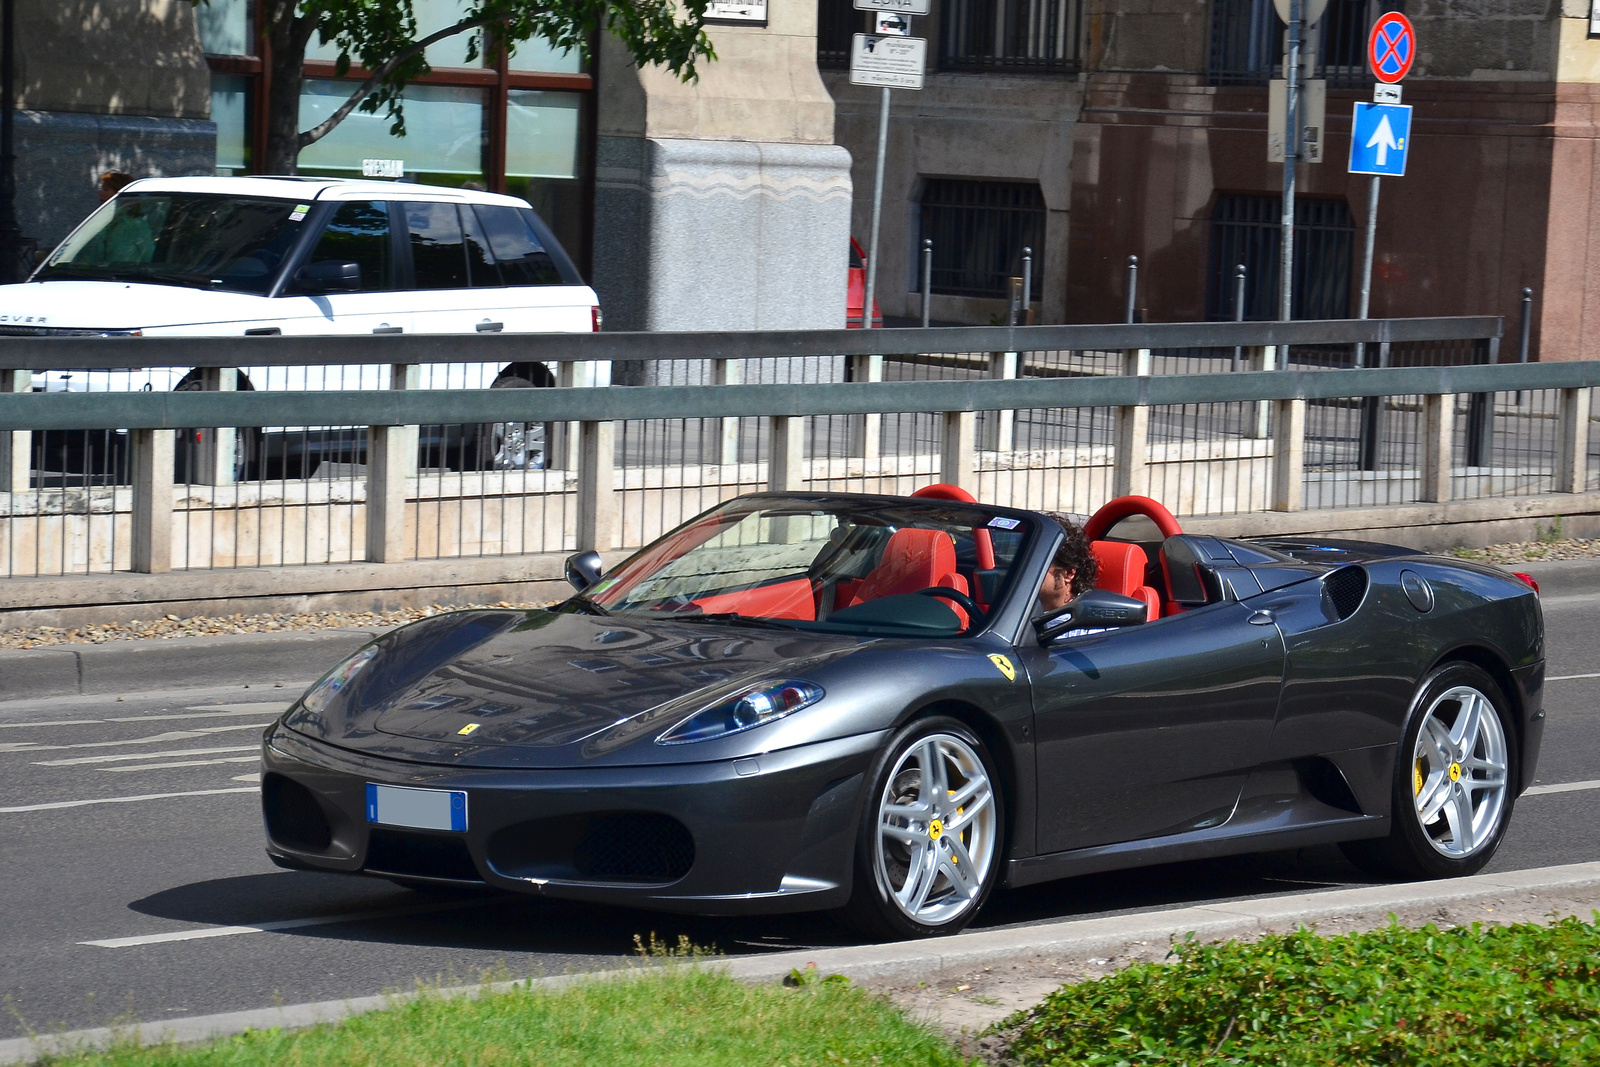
x=230 y=257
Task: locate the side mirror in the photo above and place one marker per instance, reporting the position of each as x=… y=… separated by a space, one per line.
x=583 y=569
x=1094 y=610
x=330 y=276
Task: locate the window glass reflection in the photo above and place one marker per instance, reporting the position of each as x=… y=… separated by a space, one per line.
x=229 y=110
x=224 y=27
x=443 y=144
x=544 y=160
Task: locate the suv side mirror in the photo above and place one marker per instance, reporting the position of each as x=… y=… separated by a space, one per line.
x=583 y=569
x=330 y=276
x=1095 y=610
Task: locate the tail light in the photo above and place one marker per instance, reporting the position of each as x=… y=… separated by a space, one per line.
x=1527 y=580
x=595 y=318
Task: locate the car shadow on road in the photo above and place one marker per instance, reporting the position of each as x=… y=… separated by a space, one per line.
x=507 y=923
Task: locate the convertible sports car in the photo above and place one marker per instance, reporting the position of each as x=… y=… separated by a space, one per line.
x=801 y=701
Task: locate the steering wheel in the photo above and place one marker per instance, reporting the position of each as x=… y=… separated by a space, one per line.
x=969 y=605
x=1114 y=511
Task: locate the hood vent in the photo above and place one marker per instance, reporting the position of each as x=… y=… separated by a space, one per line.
x=1343 y=591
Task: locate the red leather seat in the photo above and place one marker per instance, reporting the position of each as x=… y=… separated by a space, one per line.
x=1122 y=570
x=913 y=560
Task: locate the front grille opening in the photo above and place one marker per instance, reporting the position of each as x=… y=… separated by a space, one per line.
x=629 y=847
x=419 y=855
x=294 y=818
x=1344 y=590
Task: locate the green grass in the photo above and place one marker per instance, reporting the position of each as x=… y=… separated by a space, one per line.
x=1523 y=995
x=683 y=1014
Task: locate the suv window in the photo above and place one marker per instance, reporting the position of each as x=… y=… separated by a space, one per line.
x=437 y=253
x=523 y=259
x=359 y=233
x=480 y=261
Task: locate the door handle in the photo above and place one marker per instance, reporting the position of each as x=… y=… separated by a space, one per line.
x=386 y=328
x=489 y=327
x=1262 y=618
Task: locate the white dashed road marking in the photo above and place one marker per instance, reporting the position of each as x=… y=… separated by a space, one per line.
x=58 y=804
x=284 y=924
x=1561 y=787
x=76 y=761
x=1570 y=677
x=185 y=763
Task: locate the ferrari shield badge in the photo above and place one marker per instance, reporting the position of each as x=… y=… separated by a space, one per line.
x=467 y=729
x=1004 y=666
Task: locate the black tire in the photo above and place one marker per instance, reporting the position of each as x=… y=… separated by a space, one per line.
x=1414 y=850
x=506 y=446
x=246 y=453
x=872 y=908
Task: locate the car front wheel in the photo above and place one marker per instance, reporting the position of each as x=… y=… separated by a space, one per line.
x=929 y=848
x=1452 y=781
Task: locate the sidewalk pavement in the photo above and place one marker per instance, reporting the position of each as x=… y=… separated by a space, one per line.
x=1108 y=937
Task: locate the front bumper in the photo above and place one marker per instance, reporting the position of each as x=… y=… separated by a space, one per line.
x=771 y=834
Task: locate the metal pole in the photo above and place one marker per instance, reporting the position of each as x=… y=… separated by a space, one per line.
x=1366 y=263
x=1027 y=284
x=927 y=278
x=14 y=248
x=1133 y=287
x=1238 y=309
x=1527 y=331
x=1291 y=156
x=870 y=299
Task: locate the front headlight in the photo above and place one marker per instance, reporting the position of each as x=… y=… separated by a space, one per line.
x=757 y=706
x=335 y=681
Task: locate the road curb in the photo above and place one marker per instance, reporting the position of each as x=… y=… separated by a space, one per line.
x=1109 y=936
x=175 y=663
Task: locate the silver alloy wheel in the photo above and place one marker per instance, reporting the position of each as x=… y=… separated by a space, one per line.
x=516 y=446
x=937 y=830
x=1459 y=772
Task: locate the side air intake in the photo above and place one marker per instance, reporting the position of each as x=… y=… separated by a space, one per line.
x=1343 y=591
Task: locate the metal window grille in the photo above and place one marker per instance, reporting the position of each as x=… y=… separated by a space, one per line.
x=1009 y=35
x=837 y=22
x=979 y=230
x=1246 y=228
x=1247 y=42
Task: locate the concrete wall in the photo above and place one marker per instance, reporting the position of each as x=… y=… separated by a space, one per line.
x=722 y=204
x=105 y=85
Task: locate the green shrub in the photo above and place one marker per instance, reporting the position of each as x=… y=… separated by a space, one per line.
x=1516 y=995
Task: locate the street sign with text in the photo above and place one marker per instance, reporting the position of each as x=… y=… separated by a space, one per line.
x=892 y=62
x=904 y=7
x=1380 y=139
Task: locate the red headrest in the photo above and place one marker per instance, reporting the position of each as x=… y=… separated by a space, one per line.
x=1121 y=566
x=912 y=560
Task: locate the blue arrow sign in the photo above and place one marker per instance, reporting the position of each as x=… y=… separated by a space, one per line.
x=1380 y=139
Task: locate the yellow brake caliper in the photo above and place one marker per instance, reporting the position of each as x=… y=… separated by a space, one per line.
x=1416 y=778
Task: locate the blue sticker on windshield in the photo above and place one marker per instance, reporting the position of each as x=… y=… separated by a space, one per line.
x=1005 y=523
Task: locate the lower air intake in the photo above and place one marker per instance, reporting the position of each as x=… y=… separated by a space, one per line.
x=627 y=847
x=420 y=856
x=294 y=818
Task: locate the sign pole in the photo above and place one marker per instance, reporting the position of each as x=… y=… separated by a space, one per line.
x=1366 y=255
x=877 y=213
x=1291 y=157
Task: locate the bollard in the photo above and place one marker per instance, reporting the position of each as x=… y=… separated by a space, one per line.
x=1238 y=310
x=1133 y=288
x=1027 y=286
x=1527 y=331
x=927 y=278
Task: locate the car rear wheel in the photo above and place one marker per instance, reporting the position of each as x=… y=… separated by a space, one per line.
x=508 y=446
x=1452 y=787
x=929 y=847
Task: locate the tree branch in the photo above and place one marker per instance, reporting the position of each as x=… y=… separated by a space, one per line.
x=325 y=127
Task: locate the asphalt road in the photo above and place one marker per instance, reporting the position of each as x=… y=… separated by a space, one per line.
x=151 y=907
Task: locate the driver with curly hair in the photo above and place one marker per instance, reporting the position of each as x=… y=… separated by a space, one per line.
x=1071 y=573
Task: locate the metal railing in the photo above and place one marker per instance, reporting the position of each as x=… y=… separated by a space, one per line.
x=1056 y=417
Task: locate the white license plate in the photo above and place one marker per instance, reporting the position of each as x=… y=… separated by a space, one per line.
x=419 y=809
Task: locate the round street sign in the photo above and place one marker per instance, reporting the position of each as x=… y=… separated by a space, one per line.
x=1392 y=47
x=1310 y=10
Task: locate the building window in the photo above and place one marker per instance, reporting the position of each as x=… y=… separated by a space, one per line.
x=519 y=123
x=837 y=22
x=1009 y=35
x=1246 y=229
x=979 y=230
x=1247 y=42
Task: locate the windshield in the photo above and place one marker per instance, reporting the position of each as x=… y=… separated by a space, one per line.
x=205 y=241
x=834 y=565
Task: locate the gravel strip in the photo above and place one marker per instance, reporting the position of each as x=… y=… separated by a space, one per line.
x=1533 y=551
x=209 y=626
